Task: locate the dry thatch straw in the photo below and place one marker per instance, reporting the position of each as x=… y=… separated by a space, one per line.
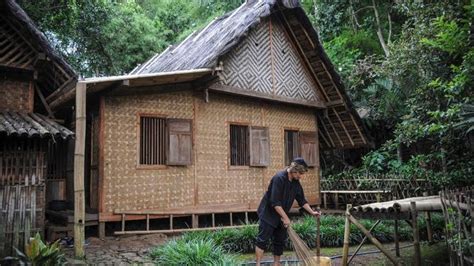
x=303 y=253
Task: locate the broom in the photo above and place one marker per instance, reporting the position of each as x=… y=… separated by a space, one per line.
x=303 y=253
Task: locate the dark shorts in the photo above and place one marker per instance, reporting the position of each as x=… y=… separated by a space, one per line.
x=278 y=235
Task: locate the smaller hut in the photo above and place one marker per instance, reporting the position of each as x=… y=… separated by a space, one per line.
x=33 y=143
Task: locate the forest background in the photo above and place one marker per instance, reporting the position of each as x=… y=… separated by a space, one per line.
x=408 y=67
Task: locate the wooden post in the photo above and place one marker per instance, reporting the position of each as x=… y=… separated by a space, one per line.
x=397 y=239
x=79 y=197
x=347 y=232
x=325 y=200
x=318 y=234
x=471 y=212
x=372 y=239
x=429 y=229
x=102 y=230
x=416 y=234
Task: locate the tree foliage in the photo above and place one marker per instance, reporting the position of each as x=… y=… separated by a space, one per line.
x=409 y=64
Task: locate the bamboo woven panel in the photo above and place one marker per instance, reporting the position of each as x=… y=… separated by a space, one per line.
x=21 y=216
x=125 y=186
x=15 y=96
x=219 y=184
x=129 y=188
x=267 y=62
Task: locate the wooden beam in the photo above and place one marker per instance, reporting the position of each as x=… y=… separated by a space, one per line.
x=335 y=132
x=277 y=98
x=363 y=241
x=60 y=89
x=305 y=59
x=372 y=239
x=79 y=196
x=343 y=126
x=357 y=127
x=175 y=231
x=327 y=131
x=43 y=100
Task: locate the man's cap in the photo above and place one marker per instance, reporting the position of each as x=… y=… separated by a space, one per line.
x=300 y=161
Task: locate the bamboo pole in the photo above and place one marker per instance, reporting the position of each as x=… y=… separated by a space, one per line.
x=372 y=239
x=416 y=233
x=79 y=197
x=347 y=232
x=362 y=242
x=397 y=239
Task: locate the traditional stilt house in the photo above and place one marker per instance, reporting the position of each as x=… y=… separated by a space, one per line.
x=32 y=142
x=203 y=126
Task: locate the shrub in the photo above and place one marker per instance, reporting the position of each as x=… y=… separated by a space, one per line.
x=39 y=253
x=241 y=240
x=187 y=251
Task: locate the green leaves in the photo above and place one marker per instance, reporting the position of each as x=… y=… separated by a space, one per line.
x=38 y=253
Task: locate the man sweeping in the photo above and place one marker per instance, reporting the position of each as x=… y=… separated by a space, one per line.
x=273 y=211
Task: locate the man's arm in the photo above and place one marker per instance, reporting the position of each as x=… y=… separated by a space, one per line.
x=276 y=199
x=310 y=210
x=285 y=219
x=300 y=198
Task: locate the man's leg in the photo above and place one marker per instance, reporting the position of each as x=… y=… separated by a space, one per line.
x=279 y=241
x=265 y=231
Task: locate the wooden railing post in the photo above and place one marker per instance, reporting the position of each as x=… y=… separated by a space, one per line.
x=416 y=234
x=347 y=232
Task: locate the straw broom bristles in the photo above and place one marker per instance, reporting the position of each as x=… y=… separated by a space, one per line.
x=303 y=253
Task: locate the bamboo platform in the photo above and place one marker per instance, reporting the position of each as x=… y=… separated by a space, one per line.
x=398 y=210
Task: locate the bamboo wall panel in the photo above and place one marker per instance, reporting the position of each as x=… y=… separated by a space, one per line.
x=219 y=184
x=266 y=62
x=15 y=96
x=22 y=161
x=210 y=179
x=125 y=184
x=21 y=215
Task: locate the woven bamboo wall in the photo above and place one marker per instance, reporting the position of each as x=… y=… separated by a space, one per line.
x=216 y=182
x=125 y=186
x=16 y=96
x=210 y=180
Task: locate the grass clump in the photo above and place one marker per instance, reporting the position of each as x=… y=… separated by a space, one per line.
x=192 y=251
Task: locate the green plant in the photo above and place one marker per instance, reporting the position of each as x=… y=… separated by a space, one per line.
x=42 y=254
x=192 y=252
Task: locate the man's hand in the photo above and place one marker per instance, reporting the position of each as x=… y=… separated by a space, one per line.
x=286 y=222
x=315 y=213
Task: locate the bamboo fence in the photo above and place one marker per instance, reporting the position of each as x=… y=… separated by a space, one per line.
x=359 y=190
x=458 y=211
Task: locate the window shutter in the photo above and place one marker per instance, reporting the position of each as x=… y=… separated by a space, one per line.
x=180 y=142
x=259 y=146
x=308 y=147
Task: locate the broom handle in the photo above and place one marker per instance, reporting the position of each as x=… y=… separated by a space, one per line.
x=318 y=236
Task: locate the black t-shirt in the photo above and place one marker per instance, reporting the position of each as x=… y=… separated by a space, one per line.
x=281 y=192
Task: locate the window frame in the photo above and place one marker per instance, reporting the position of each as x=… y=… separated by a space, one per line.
x=140 y=166
x=284 y=143
x=229 y=146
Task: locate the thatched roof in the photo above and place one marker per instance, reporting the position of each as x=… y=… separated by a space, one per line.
x=18 y=28
x=340 y=125
x=31 y=125
x=203 y=48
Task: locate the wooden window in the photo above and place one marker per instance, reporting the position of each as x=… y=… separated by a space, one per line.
x=180 y=142
x=152 y=141
x=239 y=145
x=165 y=141
x=259 y=146
x=308 y=147
x=291 y=145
